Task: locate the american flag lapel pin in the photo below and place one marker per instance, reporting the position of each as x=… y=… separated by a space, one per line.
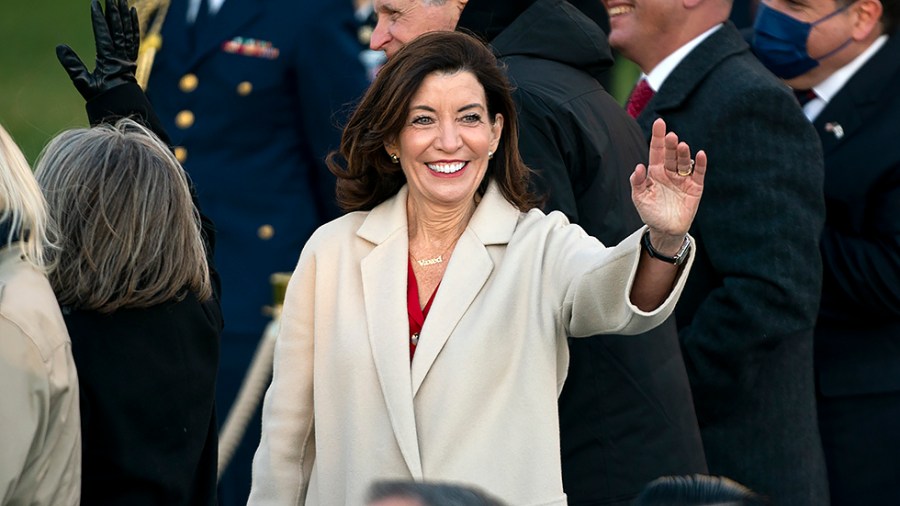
x=835 y=128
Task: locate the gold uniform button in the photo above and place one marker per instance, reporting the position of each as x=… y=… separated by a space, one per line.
x=244 y=88
x=181 y=154
x=184 y=119
x=265 y=232
x=188 y=83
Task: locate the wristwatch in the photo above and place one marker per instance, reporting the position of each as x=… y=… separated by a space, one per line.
x=679 y=257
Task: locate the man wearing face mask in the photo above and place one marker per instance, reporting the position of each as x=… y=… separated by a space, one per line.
x=844 y=58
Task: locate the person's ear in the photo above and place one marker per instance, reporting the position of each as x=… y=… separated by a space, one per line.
x=496 y=131
x=867 y=20
x=460 y=6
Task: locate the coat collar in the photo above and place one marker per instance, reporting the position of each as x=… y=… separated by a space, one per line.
x=873 y=85
x=692 y=71
x=384 y=283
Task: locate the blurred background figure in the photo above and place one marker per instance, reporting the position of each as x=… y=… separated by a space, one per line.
x=410 y=493
x=251 y=93
x=40 y=428
x=846 y=70
x=697 y=490
x=365 y=16
x=747 y=316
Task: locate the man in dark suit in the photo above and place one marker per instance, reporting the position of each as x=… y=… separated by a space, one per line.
x=747 y=314
x=855 y=108
x=251 y=93
x=626 y=415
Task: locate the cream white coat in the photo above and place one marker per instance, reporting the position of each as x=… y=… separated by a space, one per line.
x=478 y=403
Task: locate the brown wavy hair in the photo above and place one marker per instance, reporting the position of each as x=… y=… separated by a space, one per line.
x=365 y=175
x=129 y=230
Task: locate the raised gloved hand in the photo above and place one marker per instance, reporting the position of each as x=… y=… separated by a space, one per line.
x=117 y=39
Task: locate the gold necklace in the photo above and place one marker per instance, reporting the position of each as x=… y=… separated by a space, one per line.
x=426 y=262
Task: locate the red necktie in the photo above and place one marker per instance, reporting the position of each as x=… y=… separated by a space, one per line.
x=805 y=96
x=640 y=96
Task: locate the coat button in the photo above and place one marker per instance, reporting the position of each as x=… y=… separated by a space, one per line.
x=244 y=88
x=188 y=83
x=265 y=232
x=180 y=153
x=184 y=119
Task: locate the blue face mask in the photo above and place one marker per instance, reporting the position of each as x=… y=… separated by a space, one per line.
x=779 y=41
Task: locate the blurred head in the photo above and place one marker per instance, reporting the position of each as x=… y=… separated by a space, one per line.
x=647 y=31
x=129 y=232
x=443 y=107
x=403 y=493
x=23 y=212
x=697 y=490
x=401 y=21
x=805 y=43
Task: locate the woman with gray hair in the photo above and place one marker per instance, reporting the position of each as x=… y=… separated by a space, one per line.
x=141 y=305
x=41 y=434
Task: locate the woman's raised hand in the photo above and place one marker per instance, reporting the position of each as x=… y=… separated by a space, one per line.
x=117 y=39
x=667 y=192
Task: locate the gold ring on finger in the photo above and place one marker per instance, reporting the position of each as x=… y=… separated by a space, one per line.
x=687 y=172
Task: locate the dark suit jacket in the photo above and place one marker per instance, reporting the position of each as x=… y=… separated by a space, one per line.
x=747 y=314
x=858 y=334
x=626 y=415
x=272 y=77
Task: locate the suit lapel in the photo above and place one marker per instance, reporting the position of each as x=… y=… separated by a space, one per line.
x=861 y=96
x=693 y=69
x=384 y=291
x=175 y=31
x=224 y=26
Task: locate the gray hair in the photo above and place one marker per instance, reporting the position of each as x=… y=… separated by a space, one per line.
x=130 y=234
x=430 y=494
x=22 y=206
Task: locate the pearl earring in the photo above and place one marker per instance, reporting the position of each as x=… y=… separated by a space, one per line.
x=490 y=155
x=394 y=158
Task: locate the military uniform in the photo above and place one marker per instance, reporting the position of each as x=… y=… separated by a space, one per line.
x=252 y=99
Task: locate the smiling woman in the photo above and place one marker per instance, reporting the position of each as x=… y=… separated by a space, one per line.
x=424 y=333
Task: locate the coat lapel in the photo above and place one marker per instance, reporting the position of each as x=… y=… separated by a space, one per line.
x=693 y=69
x=470 y=267
x=384 y=282
x=384 y=291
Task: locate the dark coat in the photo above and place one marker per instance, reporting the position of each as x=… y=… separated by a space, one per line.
x=147 y=382
x=747 y=314
x=626 y=415
x=858 y=332
x=264 y=117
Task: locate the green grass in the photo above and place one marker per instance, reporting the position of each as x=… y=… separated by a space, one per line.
x=37 y=100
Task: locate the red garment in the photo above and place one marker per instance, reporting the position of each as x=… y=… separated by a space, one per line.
x=640 y=96
x=416 y=314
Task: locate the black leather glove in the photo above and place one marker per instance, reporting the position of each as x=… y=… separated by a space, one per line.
x=117 y=39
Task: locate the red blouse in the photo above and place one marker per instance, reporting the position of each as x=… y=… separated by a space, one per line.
x=416 y=314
